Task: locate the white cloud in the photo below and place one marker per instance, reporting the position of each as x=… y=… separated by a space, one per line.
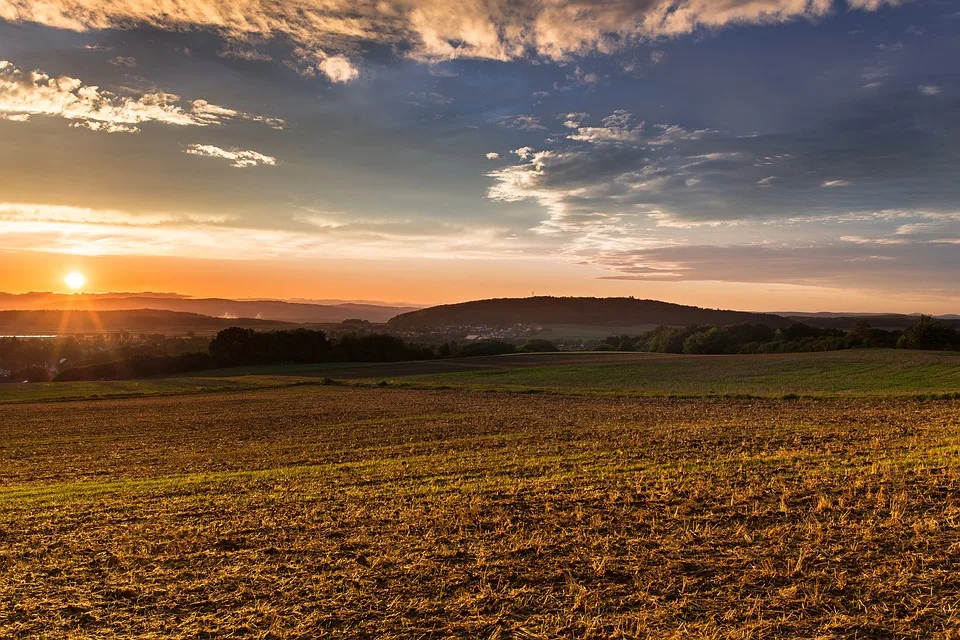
x=105 y=127
x=929 y=90
x=339 y=69
x=493 y=155
x=766 y=182
x=26 y=212
x=24 y=94
x=871 y=240
x=836 y=183
x=574 y=119
x=239 y=158
x=618 y=129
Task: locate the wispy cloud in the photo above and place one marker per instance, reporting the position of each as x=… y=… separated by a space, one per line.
x=239 y=158
x=523 y=122
x=87 y=231
x=124 y=61
x=35 y=93
x=44 y=213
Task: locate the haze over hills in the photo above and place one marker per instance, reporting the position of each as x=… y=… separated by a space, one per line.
x=43 y=312
x=297 y=312
x=139 y=320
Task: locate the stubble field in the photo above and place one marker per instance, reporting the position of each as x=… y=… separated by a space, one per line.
x=347 y=512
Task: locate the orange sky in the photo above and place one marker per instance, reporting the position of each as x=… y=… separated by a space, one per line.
x=430 y=281
x=769 y=155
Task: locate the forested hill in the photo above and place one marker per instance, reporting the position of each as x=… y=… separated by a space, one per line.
x=139 y=320
x=545 y=310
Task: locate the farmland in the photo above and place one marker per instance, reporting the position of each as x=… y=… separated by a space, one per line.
x=276 y=506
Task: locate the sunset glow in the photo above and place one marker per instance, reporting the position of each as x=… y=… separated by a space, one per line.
x=685 y=151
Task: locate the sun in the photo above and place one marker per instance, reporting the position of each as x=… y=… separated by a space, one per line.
x=75 y=280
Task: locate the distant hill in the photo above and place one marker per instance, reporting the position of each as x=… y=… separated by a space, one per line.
x=298 y=312
x=545 y=311
x=887 y=321
x=135 y=321
x=623 y=312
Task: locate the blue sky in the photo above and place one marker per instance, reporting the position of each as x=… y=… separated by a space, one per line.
x=642 y=147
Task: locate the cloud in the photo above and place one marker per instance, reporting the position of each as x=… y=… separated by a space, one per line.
x=24 y=94
x=895 y=267
x=621 y=182
x=124 y=61
x=339 y=69
x=235 y=52
x=87 y=231
x=657 y=56
x=429 y=30
x=26 y=212
x=493 y=155
x=239 y=158
x=522 y=122
x=579 y=76
x=865 y=240
x=618 y=129
x=574 y=119
x=929 y=90
x=105 y=127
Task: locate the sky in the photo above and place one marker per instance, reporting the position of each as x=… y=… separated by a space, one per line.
x=798 y=155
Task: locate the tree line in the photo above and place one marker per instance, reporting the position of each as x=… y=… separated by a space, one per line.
x=927 y=333
x=238 y=347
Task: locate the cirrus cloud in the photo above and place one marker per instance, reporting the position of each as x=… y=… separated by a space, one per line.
x=239 y=158
x=35 y=93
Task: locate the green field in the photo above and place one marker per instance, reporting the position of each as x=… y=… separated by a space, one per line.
x=836 y=373
x=873 y=372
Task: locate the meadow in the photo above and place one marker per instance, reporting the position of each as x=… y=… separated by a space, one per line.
x=439 y=505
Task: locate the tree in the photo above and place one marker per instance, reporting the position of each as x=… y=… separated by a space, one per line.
x=537 y=345
x=486 y=348
x=233 y=346
x=712 y=340
x=930 y=334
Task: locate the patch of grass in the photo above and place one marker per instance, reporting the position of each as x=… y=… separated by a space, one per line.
x=840 y=373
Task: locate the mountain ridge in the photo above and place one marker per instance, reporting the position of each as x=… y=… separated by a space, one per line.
x=296 y=312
